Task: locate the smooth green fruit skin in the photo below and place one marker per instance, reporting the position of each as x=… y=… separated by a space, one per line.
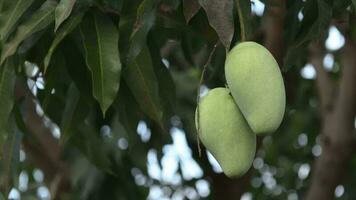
x=256 y=84
x=225 y=133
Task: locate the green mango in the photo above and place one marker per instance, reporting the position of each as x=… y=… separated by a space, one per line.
x=256 y=84
x=225 y=132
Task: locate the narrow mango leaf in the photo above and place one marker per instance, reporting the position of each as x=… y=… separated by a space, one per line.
x=38 y=21
x=63 y=10
x=7 y=85
x=9 y=17
x=146 y=15
x=220 y=16
x=11 y=157
x=317 y=16
x=73 y=114
x=167 y=88
x=142 y=81
x=190 y=8
x=67 y=28
x=100 y=41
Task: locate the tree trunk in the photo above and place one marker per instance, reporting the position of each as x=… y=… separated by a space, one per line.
x=337 y=132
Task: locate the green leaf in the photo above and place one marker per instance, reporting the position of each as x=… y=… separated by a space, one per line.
x=317 y=16
x=7 y=86
x=67 y=28
x=10 y=159
x=190 y=8
x=74 y=112
x=9 y=17
x=167 y=88
x=220 y=16
x=62 y=12
x=146 y=15
x=100 y=40
x=38 y=21
x=354 y=3
x=142 y=81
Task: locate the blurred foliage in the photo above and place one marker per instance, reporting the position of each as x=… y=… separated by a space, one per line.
x=98 y=69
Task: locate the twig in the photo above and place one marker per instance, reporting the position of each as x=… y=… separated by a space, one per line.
x=242 y=24
x=198 y=95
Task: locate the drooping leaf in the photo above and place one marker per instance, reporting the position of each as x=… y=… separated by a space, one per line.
x=167 y=88
x=100 y=41
x=74 y=113
x=11 y=157
x=7 y=87
x=62 y=12
x=317 y=16
x=67 y=28
x=244 y=8
x=220 y=15
x=9 y=17
x=142 y=81
x=354 y=3
x=144 y=21
x=87 y=138
x=38 y=21
x=190 y=8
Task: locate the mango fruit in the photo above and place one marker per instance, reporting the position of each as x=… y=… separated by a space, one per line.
x=256 y=84
x=225 y=132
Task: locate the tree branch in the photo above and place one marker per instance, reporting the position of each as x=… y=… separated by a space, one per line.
x=41 y=147
x=323 y=82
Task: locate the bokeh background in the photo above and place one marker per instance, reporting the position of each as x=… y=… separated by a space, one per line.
x=61 y=147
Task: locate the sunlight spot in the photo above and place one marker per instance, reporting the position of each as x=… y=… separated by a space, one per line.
x=328 y=61
x=14 y=194
x=23 y=181
x=190 y=193
x=153 y=168
x=22 y=155
x=190 y=168
x=316 y=150
x=246 y=196
x=122 y=143
x=258 y=163
x=166 y=63
x=31 y=69
x=269 y=180
x=339 y=191
x=203 y=90
x=105 y=132
x=308 y=71
x=303 y=171
x=155 y=192
x=56 y=132
x=214 y=163
x=43 y=193
x=293 y=196
x=38 y=175
x=300 y=16
x=335 y=39
x=257 y=7
x=40 y=83
x=143 y=131
x=303 y=139
x=202 y=187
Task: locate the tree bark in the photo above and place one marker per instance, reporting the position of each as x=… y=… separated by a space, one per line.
x=337 y=131
x=41 y=147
